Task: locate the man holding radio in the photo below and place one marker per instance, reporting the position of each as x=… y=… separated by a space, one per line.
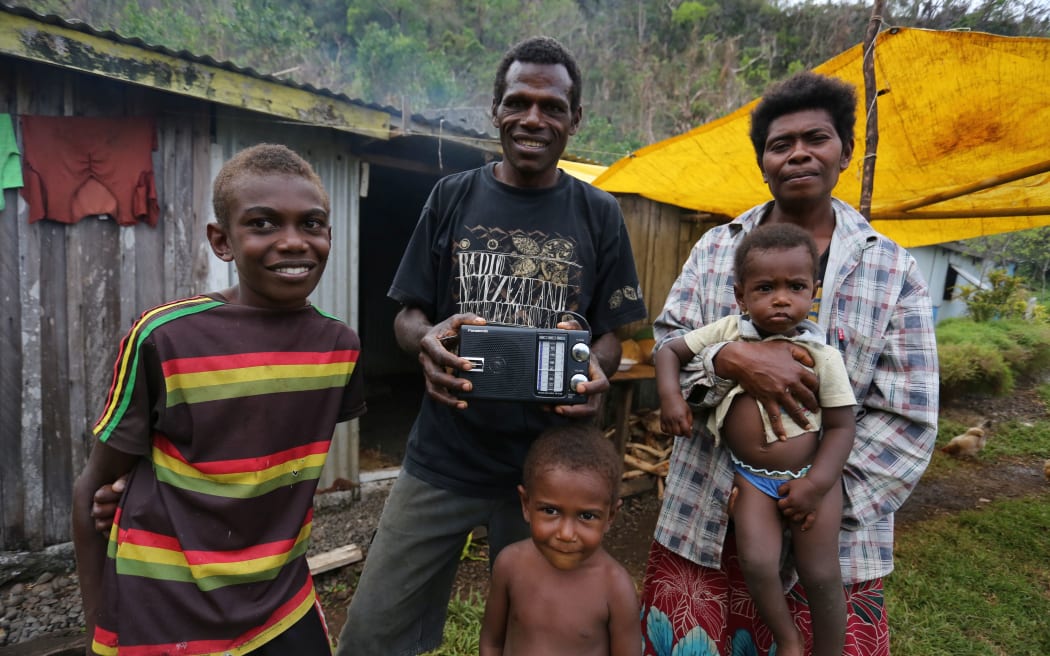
x=518 y=242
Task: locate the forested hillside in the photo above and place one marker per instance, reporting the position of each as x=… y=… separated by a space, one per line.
x=652 y=68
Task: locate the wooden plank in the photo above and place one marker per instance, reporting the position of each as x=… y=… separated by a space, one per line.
x=638 y=230
x=142 y=247
x=201 y=255
x=48 y=646
x=171 y=230
x=10 y=343
x=637 y=486
x=665 y=269
x=339 y=557
x=77 y=408
x=180 y=224
x=376 y=475
x=55 y=466
x=100 y=316
x=11 y=492
x=30 y=474
x=148 y=253
x=127 y=271
x=656 y=285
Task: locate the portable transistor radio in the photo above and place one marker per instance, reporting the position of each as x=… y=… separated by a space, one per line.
x=514 y=363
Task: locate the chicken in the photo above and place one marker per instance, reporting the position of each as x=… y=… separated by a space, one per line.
x=968 y=444
x=1046 y=470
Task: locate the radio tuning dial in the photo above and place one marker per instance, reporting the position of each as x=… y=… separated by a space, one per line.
x=576 y=380
x=581 y=352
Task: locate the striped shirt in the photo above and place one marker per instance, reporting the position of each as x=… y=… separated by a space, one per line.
x=876 y=310
x=233 y=409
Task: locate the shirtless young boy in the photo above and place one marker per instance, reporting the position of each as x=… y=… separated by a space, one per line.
x=561 y=592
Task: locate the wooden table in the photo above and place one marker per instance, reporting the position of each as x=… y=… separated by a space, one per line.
x=626 y=381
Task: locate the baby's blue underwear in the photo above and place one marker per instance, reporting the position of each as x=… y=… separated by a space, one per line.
x=762 y=483
x=764 y=480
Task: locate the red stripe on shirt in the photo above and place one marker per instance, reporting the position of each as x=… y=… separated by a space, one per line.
x=259 y=359
x=241 y=465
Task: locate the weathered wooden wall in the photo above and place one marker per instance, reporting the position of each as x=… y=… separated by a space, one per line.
x=661 y=238
x=70 y=291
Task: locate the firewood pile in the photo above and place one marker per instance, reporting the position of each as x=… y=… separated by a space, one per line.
x=648 y=450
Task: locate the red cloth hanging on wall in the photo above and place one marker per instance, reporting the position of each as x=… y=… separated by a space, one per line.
x=77 y=166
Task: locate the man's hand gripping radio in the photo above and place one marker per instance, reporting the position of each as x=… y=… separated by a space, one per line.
x=514 y=363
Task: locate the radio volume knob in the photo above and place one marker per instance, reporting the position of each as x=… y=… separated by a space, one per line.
x=576 y=380
x=581 y=352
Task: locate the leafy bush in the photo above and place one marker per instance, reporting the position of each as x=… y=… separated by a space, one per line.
x=1006 y=298
x=985 y=357
x=973 y=369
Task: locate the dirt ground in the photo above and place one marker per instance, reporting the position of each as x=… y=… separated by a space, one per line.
x=971 y=485
x=974 y=483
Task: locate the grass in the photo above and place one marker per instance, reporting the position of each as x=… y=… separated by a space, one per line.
x=977 y=583
x=974 y=584
x=1044 y=393
x=463 y=627
x=1010 y=440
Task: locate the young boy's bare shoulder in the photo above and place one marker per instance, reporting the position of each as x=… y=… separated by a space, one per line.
x=514 y=555
x=612 y=570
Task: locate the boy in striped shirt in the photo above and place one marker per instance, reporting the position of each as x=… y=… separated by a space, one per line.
x=222 y=409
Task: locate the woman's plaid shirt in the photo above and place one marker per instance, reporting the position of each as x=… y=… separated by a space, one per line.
x=876 y=309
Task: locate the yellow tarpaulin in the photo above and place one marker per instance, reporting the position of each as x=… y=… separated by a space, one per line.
x=964 y=142
x=581 y=170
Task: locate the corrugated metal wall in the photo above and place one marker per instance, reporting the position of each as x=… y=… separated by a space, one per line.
x=338 y=292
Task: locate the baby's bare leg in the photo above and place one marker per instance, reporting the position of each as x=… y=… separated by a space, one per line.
x=759 y=534
x=816 y=557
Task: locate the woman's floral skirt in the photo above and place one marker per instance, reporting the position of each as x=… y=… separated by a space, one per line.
x=688 y=610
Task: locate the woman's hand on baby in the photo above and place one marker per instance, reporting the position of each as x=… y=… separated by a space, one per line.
x=773 y=373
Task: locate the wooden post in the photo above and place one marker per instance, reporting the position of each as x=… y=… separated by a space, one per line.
x=871 y=132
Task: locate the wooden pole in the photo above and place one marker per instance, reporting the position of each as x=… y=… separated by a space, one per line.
x=965 y=190
x=1019 y=212
x=871 y=132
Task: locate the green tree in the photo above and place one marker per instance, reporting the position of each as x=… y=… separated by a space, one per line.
x=651 y=69
x=1028 y=249
x=265 y=35
x=1031 y=251
x=395 y=67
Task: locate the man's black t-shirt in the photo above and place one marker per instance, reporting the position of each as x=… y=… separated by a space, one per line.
x=516 y=256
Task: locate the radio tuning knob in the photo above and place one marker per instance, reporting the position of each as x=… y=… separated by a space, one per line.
x=576 y=380
x=581 y=352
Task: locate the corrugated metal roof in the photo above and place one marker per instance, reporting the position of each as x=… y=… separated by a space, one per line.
x=450 y=122
x=435 y=123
